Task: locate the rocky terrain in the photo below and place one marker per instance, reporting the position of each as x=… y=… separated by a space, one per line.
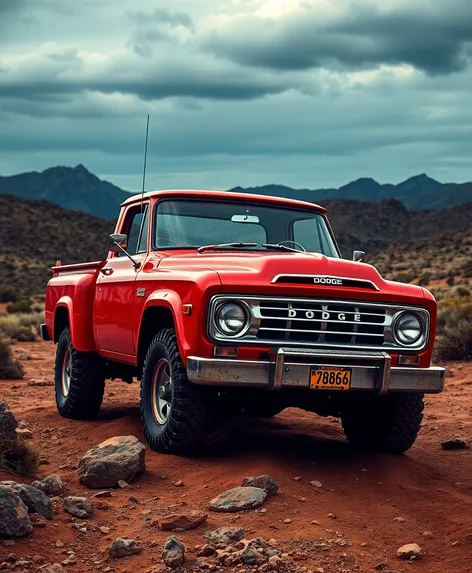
x=287 y=494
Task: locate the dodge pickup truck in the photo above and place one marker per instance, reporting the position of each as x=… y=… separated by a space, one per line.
x=231 y=304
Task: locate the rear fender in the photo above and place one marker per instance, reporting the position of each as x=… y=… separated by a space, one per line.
x=80 y=325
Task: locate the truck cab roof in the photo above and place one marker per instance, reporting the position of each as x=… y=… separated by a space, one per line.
x=211 y=194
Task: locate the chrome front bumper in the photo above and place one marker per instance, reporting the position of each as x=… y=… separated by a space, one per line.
x=291 y=367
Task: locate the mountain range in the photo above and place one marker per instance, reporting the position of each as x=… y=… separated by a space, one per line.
x=77 y=189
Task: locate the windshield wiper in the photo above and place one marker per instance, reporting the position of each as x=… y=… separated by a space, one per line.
x=282 y=248
x=226 y=246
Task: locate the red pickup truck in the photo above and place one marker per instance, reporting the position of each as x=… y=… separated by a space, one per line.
x=223 y=303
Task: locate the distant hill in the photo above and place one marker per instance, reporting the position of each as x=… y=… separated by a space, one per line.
x=77 y=189
x=419 y=192
x=73 y=188
x=34 y=234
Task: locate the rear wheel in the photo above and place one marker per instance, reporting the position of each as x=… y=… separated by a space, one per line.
x=384 y=423
x=176 y=415
x=79 y=380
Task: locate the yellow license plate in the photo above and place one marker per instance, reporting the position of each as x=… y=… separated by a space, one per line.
x=330 y=378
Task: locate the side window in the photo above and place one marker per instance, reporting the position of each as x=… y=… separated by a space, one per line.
x=136 y=227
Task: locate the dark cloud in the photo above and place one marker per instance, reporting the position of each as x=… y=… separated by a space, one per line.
x=435 y=37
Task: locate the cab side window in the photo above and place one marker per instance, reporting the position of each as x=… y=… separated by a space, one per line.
x=136 y=227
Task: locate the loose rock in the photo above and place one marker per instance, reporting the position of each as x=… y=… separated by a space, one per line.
x=79 y=507
x=14 y=519
x=224 y=536
x=35 y=500
x=455 y=444
x=50 y=485
x=410 y=551
x=119 y=458
x=238 y=499
x=264 y=482
x=182 y=521
x=55 y=568
x=124 y=547
x=24 y=433
x=8 y=423
x=173 y=553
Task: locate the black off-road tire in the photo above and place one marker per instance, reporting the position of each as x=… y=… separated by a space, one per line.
x=192 y=407
x=383 y=423
x=87 y=381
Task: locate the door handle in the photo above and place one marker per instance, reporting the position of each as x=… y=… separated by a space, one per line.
x=106 y=271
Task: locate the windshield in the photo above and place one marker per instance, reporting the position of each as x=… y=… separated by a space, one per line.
x=190 y=224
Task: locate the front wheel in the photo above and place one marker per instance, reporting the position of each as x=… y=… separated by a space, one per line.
x=176 y=415
x=384 y=423
x=79 y=380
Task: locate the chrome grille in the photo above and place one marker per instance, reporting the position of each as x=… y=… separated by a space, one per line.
x=278 y=321
x=322 y=323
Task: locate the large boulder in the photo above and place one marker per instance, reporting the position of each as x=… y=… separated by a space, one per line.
x=79 y=507
x=14 y=519
x=50 y=485
x=35 y=500
x=124 y=548
x=183 y=521
x=224 y=536
x=8 y=423
x=265 y=482
x=238 y=499
x=118 y=459
x=173 y=553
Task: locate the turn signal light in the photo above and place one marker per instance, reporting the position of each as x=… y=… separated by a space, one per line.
x=409 y=359
x=226 y=351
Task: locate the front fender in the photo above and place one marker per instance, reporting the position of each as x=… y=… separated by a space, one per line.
x=171 y=301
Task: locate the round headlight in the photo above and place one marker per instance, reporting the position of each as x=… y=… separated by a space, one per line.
x=408 y=328
x=231 y=319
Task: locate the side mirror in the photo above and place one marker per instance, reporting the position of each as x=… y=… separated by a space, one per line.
x=358 y=256
x=117 y=243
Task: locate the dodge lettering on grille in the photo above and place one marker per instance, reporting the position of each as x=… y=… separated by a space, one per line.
x=327 y=281
x=325 y=315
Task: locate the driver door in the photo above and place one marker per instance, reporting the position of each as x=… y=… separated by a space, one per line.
x=116 y=289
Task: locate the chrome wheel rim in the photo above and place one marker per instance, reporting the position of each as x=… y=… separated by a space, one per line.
x=161 y=394
x=66 y=368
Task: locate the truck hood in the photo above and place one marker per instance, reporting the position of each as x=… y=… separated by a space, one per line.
x=269 y=271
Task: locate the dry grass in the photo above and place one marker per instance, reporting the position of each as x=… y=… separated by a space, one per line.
x=454 y=330
x=21 y=327
x=10 y=369
x=18 y=457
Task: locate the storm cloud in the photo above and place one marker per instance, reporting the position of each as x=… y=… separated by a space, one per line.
x=309 y=93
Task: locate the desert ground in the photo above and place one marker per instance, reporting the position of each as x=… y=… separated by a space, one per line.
x=368 y=506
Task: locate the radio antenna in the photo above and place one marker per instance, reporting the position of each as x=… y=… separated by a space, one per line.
x=145 y=160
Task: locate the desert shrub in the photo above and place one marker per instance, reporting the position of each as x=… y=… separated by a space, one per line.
x=20 y=306
x=10 y=369
x=424 y=278
x=450 y=281
x=462 y=291
x=21 y=327
x=8 y=294
x=18 y=457
x=404 y=277
x=454 y=331
x=41 y=298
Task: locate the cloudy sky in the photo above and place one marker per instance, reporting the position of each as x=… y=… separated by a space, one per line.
x=308 y=93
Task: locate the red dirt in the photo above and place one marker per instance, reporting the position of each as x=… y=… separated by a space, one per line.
x=429 y=487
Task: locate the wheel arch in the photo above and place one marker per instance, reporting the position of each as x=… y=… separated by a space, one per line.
x=162 y=310
x=63 y=318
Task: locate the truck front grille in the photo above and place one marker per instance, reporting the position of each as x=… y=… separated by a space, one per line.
x=310 y=322
x=305 y=322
